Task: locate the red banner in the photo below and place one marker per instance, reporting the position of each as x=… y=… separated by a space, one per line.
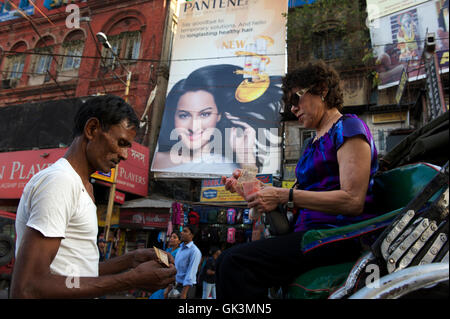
x=119 y=197
x=132 y=175
x=17 y=168
x=144 y=219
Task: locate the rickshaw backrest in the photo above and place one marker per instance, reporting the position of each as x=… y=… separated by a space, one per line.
x=395 y=188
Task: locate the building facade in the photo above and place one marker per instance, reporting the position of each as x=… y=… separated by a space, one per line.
x=49 y=49
x=338 y=33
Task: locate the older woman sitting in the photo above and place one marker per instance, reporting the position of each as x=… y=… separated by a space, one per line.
x=334 y=188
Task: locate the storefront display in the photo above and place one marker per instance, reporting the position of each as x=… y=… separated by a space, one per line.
x=221 y=226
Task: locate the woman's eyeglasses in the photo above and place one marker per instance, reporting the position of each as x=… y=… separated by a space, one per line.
x=297 y=96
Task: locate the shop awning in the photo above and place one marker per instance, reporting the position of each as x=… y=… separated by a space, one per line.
x=152 y=201
x=8 y=215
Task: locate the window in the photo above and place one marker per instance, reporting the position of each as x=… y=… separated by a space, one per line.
x=327 y=45
x=133 y=45
x=108 y=56
x=17 y=63
x=72 y=48
x=43 y=63
x=13 y=65
x=73 y=52
x=126 y=46
x=43 y=55
x=305 y=136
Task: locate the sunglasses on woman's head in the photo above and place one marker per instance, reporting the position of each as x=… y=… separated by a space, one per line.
x=297 y=96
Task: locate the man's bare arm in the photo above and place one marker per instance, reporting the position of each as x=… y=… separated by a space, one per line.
x=129 y=260
x=32 y=277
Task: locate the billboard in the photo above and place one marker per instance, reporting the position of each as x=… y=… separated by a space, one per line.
x=224 y=95
x=398 y=41
x=377 y=9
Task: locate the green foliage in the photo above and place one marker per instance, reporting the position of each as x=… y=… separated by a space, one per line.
x=341 y=19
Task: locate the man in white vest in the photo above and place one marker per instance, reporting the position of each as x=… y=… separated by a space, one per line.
x=56 y=224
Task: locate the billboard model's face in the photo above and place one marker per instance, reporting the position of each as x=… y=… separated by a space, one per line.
x=196 y=118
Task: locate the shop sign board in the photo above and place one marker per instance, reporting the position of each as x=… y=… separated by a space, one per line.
x=101 y=215
x=213 y=190
x=436 y=104
x=119 y=197
x=132 y=174
x=106 y=177
x=54 y=4
x=235 y=51
x=287 y=184
x=141 y=218
x=9 y=9
x=398 y=40
x=401 y=87
x=299 y=3
x=17 y=168
x=389 y=117
x=288 y=175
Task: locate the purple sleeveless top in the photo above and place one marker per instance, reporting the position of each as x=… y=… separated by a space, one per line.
x=318 y=170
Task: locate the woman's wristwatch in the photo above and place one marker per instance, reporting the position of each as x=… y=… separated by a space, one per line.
x=290 y=203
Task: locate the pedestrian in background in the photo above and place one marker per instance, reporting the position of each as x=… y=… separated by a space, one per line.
x=209 y=274
x=101 y=249
x=174 y=246
x=174 y=243
x=187 y=261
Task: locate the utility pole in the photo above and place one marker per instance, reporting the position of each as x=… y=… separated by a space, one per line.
x=102 y=38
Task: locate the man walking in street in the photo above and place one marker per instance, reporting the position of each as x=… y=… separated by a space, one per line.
x=187 y=261
x=56 y=252
x=209 y=275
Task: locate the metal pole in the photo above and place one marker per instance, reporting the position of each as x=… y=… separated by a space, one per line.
x=127 y=87
x=112 y=190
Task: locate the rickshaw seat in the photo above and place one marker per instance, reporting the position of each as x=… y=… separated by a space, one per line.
x=393 y=190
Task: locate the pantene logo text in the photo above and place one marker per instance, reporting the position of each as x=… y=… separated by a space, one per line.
x=213 y=4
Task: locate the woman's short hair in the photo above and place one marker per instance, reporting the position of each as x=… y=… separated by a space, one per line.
x=318 y=76
x=108 y=109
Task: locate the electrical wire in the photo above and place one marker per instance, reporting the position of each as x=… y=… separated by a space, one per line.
x=103 y=59
x=136 y=60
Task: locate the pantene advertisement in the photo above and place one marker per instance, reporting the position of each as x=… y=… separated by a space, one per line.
x=224 y=94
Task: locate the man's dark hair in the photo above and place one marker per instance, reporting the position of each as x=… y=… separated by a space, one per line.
x=108 y=109
x=192 y=229
x=213 y=250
